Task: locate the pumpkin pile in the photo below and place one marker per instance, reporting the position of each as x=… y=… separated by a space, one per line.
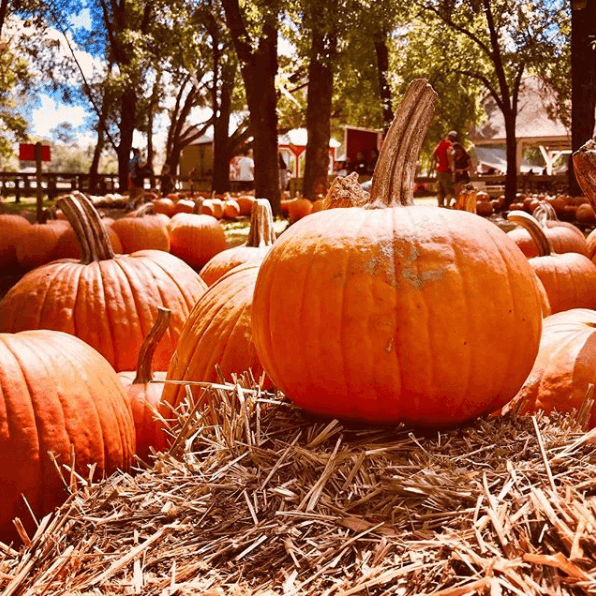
x=366 y=315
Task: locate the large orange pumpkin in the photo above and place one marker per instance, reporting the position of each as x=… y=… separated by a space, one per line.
x=261 y=236
x=143 y=394
x=56 y=392
x=565 y=366
x=218 y=332
x=569 y=278
x=39 y=245
x=395 y=312
x=108 y=301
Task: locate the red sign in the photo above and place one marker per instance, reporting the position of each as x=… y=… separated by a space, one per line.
x=27 y=152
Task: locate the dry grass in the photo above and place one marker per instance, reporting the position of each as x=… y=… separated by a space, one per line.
x=258 y=498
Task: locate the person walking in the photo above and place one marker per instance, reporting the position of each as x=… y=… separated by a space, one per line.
x=246 y=171
x=441 y=157
x=462 y=169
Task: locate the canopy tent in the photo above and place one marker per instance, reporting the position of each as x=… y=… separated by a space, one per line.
x=496 y=158
x=292 y=146
x=536 y=125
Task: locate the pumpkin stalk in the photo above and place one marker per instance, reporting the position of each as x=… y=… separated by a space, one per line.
x=149 y=345
x=102 y=243
x=534 y=229
x=584 y=168
x=261 y=232
x=393 y=178
x=80 y=224
x=346 y=191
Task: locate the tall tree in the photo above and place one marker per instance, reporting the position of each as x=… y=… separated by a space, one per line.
x=583 y=78
x=496 y=43
x=254 y=29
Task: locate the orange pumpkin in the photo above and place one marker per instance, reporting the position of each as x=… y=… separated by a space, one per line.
x=184 y=206
x=164 y=205
x=57 y=394
x=391 y=312
x=563 y=236
x=218 y=332
x=261 y=236
x=12 y=228
x=569 y=278
x=564 y=368
x=39 y=245
x=245 y=203
x=196 y=238
x=143 y=232
x=143 y=395
x=108 y=301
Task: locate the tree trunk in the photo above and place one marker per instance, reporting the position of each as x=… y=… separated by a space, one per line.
x=318 y=116
x=510 y=117
x=221 y=144
x=127 y=127
x=382 y=52
x=258 y=65
x=583 y=79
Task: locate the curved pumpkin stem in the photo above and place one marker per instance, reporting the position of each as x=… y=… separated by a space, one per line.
x=80 y=224
x=149 y=345
x=261 y=232
x=545 y=212
x=525 y=220
x=393 y=179
x=146 y=209
x=102 y=245
x=584 y=168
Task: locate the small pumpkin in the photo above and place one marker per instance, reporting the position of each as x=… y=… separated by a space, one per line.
x=569 y=278
x=143 y=231
x=218 y=332
x=261 y=237
x=196 y=238
x=12 y=229
x=144 y=396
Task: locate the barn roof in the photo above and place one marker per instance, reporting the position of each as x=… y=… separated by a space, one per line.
x=535 y=125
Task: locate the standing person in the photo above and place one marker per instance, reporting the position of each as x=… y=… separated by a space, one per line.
x=372 y=162
x=167 y=183
x=462 y=169
x=441 y=157
x=137 y=177
x=246 y=171
x=132 y=164
x=283 y=173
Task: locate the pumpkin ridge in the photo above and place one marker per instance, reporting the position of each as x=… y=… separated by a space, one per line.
x=77 y=271
x=513 y=303
x=46 y=286
x=13 y=413
x=114 y=416
x=471 y=330
x=66 y=422
x=128 y=274
x=107 y=312
x=54 y=291
x=183 y=292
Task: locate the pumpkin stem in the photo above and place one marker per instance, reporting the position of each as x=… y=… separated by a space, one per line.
x=393 y=178
x=346 y=192
x=545 y=212
x=261 y=232
x=149 y=345
x=526 y=221
x=584 y=168
x=80 y=224
x=90 y=231
x=146 y=209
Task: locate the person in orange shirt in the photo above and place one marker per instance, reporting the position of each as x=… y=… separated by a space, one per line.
x=443 y=160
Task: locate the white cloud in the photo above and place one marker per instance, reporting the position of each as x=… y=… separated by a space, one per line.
x=51 y=113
